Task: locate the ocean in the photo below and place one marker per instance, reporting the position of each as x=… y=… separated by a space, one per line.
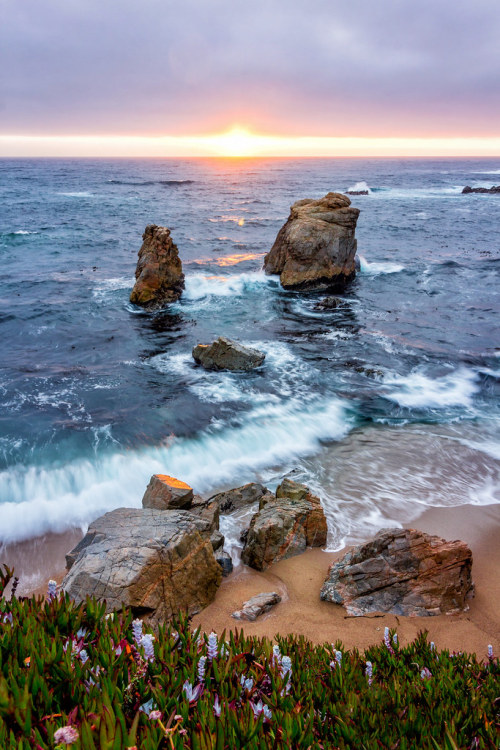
x=385 y=406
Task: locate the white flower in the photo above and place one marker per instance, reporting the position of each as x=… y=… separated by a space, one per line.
x=425 y=674
x=51 y=589
x=212 y=646
x=217 y=706
x=261 y=708
x=191 y=693
x=83 y=656
x=147 y=644
x=490 y=651
x=246 y=682
x=66 y=735
x=433 y=646
x=338 y=657
x=137 y=630
x=369 y=671
x=276 y=655
x=201 y=668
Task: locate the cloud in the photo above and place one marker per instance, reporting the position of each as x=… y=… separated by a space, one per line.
x=282 y=66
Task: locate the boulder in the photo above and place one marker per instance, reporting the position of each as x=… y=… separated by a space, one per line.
x=256 y=606
x=284 y=526
x=404 y=572
x=467 y=189
x=239 y=497
x=158 y=563
x=166 y=493
x=357 y=192
x=315 y=249
x=224 y=354
x=328 y=303
x=225 y=561
x=217 y=540
x=206 y=509
x=159 y=277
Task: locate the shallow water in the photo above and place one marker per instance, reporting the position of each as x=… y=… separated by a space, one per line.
x=384 y=405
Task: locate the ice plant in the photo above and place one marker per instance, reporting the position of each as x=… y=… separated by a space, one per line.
x=433 y=646
x=276 y=658
x=217 y=706
x=147 y=644
x=51 y=590
x=425 y=674
x=191 y=693
x=212 y=646
x=246 y=682
x=154 y=715
x=261 y=708
x=395 y=639
x=201 y=668
x=369 y=672
x=387 y=640
x=83 y=656
x=66 y=735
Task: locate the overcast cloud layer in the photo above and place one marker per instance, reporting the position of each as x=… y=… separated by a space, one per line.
x=294 y=67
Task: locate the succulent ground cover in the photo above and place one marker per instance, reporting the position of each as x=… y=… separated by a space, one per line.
x=72 y=676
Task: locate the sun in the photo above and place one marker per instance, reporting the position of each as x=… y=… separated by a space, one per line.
x=236 y=142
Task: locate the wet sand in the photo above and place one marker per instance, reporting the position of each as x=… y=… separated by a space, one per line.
x=299 y=579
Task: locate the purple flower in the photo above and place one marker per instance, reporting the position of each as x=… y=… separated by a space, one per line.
x=387 y=640
x=154 y=715
x=425 y=674
x=201 y=668
x=261 y=708
x=369 y=671
x=51 y=590
x=276 y=658
x=490 y=652
x=147 y=643
x=217 y=706
x=83 y=656
x=66 y=735
x=246 y=682
x=191 y=693
x=212 y=646
x=137 y=630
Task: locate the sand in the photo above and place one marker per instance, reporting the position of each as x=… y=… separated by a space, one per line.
x=299 y=579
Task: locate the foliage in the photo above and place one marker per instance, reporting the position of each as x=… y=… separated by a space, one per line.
x=70 y=675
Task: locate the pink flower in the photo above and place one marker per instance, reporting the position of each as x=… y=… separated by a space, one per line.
x=154 y=715
x=66 y=735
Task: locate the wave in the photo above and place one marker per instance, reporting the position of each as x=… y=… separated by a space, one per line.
x=130 y=182
x=22 y=231
x=199 y=286
x=105 y=286
x=73 y=495
x=420 y=391
x=375 y=268
x=82 y=194
x=359 y=186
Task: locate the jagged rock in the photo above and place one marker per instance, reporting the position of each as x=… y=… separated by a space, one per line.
x=224 y=354
x=402 y=571
x=467 y=189
x=256 y=606
x=159 y=277
x=284 y=526
x=225 y=561
x=166 y=493
x=357 y=192
x=316 y=247
x=206 y=509
x=217 y=539
x=328 y=303
x=158 y=563
x=240 y=497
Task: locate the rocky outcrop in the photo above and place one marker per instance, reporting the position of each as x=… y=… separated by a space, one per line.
x=157 y=562
x=256 y=606
x=224 y=354
x=284 y=526
x=166 y=493
x=315 y=249
x=357 y=192
x=239 y=497
x=467 y=189
x=402 y=571
x=159 y=277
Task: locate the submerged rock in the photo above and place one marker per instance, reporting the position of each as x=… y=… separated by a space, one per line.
x=224 y=354
x=284 y=526
x=467 y=189
x=157 y=562
x=239 y=497
x=404 y=572
x=256 y=606
x=316 y=247
x=159 y=277
x=166 y=493
x=328 y=303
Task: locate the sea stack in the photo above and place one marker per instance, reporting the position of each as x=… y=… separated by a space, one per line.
x=316 y=247
x=159 y=277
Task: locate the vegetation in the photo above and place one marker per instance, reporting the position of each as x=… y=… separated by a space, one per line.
x=72 y=676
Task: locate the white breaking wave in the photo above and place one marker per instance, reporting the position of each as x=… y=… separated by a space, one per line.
x=24 y=231
x=420 y=391
x=375 y=268
x=83 y=194
x=103 y=287
x=38 y=499
x=358 y=187
x=200 y=285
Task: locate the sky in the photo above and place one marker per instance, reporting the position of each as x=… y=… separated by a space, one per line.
x=102 y=76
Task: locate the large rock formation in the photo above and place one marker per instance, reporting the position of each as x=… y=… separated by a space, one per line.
x=467 y=189
x=159 y=277
x=157 y=562
x=239 y=497
x=284 y=526
x=402 y=571
x=315 y=249
x=224 y=354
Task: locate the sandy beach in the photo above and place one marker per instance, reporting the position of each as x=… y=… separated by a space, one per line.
x=298 y=580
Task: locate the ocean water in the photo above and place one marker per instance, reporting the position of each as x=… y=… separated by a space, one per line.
x=386 y=405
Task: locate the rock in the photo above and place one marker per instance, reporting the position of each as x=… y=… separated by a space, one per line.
x=467 y=189
x=206 y=509
x=225 y=561
x=158 y=563
x=284 y=526
x=159 y=277
x=166 y=493
x=357 y=192
x=224 y=354
x=256 y=606
x=328 y=303
x=240 y=497
x=404 y=572
x=315 y=249
x=217 y=540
